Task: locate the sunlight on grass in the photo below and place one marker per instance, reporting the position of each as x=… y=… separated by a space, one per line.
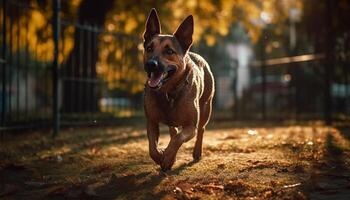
x=275 y=162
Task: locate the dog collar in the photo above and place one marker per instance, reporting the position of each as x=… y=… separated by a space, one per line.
x=171 y=96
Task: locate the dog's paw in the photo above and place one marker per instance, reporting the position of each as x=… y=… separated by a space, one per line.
x=168 y=162
x=164 y=173
x=166 y=166
x=197 y=155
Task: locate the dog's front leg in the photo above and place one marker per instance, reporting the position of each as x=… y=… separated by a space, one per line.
x=188 y=132
x=153 y=136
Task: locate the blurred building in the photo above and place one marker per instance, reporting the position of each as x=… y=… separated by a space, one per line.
x=233 y=79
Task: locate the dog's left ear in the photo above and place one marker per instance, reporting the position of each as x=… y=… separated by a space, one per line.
x=152 y=26
x=184 y=33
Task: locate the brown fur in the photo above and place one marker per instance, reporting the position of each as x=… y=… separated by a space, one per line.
x=185 y=99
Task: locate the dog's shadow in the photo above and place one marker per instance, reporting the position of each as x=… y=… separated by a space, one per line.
x=183 y=166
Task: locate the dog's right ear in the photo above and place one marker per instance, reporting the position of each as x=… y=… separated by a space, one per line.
x=152 y=26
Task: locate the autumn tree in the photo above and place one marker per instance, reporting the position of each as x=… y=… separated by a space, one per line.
x=88 y=57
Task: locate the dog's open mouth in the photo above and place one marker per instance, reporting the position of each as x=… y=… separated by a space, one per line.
x=157 y=79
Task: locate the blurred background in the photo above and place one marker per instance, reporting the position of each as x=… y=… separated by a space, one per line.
x=76 y=62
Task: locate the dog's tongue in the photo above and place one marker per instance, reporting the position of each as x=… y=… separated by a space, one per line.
x=154 y=80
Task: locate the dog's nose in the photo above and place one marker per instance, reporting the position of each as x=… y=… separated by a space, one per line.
x=151 y=65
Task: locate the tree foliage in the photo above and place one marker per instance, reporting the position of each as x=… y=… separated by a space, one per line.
x=213 y=20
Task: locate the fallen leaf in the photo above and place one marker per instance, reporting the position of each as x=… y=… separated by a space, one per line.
x=180 y=194
x=274 y=183
x=209 y=188
x=221 y=166
x=177 y=190
x=267 y=194
x=235 y=186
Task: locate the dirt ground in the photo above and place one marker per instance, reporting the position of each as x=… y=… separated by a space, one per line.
x=239 y=162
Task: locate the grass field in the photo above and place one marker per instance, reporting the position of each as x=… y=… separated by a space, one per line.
x=239 y=162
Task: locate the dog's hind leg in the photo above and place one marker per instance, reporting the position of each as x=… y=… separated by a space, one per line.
x=204 y=119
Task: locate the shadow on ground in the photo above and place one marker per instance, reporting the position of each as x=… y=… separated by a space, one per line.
x=264 y=162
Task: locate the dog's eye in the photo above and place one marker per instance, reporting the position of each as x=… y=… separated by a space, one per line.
x=149 y=49
x=169 y=51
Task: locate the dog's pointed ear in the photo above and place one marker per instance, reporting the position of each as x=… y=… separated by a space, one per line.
x=184 y=33
x=152 y=26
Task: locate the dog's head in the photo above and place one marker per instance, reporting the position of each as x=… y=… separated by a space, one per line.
x=165 y=55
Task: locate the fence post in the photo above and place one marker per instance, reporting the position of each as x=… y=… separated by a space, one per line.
x=3 y=64
x=55 y=67
x=263 y=75
x=329 y=64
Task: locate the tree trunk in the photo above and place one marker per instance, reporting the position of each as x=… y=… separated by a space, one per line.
x=80 y=85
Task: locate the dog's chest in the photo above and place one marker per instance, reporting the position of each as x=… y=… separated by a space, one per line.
x=168 y=110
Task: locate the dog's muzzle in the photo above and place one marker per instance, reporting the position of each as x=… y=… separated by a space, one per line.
x=157 y=73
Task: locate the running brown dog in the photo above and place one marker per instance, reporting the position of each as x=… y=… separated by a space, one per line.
x=178 y=92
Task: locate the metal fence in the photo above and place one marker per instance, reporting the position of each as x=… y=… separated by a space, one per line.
x=22 y=97
x=49 y=80
x=289 y=88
